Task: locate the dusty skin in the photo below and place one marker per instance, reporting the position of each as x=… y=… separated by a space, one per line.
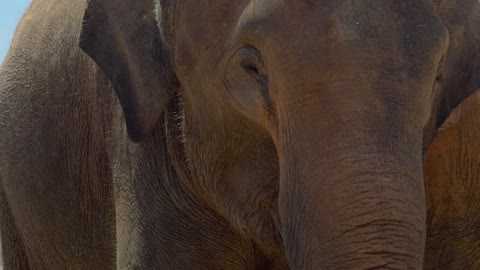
x=236 y=135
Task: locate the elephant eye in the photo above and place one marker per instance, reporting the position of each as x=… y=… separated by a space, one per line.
x=250 y=68
x=251 y=61
x=246 y=82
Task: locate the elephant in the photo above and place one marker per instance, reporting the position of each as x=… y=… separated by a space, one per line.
x=194 y=134
x=56 y=194
x=453 y=191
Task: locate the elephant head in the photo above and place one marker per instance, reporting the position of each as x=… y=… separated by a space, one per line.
x=320 y=111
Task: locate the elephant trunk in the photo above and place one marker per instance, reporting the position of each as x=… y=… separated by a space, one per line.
x=351 y=191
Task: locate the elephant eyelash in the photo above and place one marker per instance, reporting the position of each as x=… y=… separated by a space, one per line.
x=251 y=68
x=250 y=56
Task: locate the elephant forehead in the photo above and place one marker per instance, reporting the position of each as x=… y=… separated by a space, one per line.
x=204 y=20
x=342 y=20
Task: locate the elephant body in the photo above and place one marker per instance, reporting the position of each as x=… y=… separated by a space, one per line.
x=199 y=178
x=56 y=112
x=452 y=185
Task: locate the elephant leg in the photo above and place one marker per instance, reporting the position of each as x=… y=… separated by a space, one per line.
x=13 y=250
x=452 y=184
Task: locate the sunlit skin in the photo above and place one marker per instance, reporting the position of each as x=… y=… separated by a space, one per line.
x=275 y=134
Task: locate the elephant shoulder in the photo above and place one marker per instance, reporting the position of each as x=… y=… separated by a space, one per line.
x=49 y=88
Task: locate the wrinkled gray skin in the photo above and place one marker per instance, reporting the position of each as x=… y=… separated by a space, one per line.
x=303 y=148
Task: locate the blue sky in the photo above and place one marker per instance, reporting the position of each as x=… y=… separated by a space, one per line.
x=10 y=13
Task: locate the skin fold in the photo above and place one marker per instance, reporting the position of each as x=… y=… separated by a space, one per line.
x=195 y=134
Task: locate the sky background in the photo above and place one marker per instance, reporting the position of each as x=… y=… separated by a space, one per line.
x=10 y=13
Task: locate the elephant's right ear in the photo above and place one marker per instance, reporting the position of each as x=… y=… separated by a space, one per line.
x=123 y=38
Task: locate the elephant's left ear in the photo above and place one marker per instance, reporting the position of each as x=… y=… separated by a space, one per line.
x=124 y=39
